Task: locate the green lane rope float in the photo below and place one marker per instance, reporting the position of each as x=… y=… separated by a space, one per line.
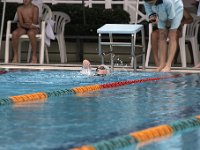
x=145 y=135
x=81 y=89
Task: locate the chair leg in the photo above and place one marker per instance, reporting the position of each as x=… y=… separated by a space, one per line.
x=46 y=54
x=195 y=50
x=182 y=52
x=19 y=52
x=62 y=48
x=41 y=53
x=42 y=44
x=7 y=49
x=64 y=56
x=29 y=53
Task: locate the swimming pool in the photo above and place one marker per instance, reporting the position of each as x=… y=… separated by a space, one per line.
x=72 y=120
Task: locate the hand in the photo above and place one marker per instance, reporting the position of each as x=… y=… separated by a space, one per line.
x=27 y=25
x=35 y=26
x=168 y=24
x=153 y=18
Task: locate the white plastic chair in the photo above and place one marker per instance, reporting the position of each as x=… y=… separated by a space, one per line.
x=192 y=37
x=190 y=34
x=61 y=19
x=181 y=43
x=40 y=37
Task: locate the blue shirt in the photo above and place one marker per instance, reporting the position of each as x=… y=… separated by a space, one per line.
x=165 y=9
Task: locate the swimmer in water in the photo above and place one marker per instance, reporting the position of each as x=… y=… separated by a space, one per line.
x=101 y=70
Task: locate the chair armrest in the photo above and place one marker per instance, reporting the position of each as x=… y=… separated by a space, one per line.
x=184 y=30
x=8 y=29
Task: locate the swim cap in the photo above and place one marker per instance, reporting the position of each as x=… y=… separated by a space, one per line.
x=102 y=70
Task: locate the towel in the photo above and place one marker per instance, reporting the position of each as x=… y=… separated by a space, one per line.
x=198 y=11
x=49 y=31
x=39 y=4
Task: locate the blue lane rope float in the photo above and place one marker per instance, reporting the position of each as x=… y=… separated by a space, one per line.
x=145 y=135
x=81 y=89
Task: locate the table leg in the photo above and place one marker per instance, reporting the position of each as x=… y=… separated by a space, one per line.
x=133 y=58
x=111 y=52
x=143 y=48
x=99 y=48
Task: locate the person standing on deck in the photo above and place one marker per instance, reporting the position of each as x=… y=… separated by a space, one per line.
x=170 y=14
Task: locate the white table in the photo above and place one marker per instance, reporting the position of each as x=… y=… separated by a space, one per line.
x=130 y=29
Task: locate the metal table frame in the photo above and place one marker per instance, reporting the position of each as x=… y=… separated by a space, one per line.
x=130 y=29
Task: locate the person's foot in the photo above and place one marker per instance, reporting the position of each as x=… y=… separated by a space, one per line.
x=34 y=60
x=197 y=66
x=159 y=69
x=166 y=69
x=15 y=59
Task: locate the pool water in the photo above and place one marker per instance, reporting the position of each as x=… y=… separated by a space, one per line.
x=72 y=120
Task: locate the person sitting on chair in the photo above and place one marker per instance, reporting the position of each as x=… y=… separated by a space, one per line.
x=187 y=19
x=28 y=17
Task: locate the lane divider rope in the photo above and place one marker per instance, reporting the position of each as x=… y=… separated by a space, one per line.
x=145 y=135
x=80 y=89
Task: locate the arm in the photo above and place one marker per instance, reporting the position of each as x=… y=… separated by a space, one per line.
x=151 y=15
x=35 y=15
x=35 y=18
x=148 y=9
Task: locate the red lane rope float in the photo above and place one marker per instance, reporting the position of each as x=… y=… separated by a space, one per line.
x=122 y=83
x=80 y=89
x=142 y=136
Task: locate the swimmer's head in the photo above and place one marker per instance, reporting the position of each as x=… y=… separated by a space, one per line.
x=102 y=70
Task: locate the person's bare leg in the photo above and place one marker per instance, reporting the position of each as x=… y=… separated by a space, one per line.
x=32 y=36
x=154 y=45
x=172 y=49
x=197 y=66
x=15 y=42
x=163 y=48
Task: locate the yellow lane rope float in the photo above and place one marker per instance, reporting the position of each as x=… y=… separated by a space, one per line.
x=81 y=89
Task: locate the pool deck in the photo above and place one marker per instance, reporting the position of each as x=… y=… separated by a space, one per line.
x=77 y=66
